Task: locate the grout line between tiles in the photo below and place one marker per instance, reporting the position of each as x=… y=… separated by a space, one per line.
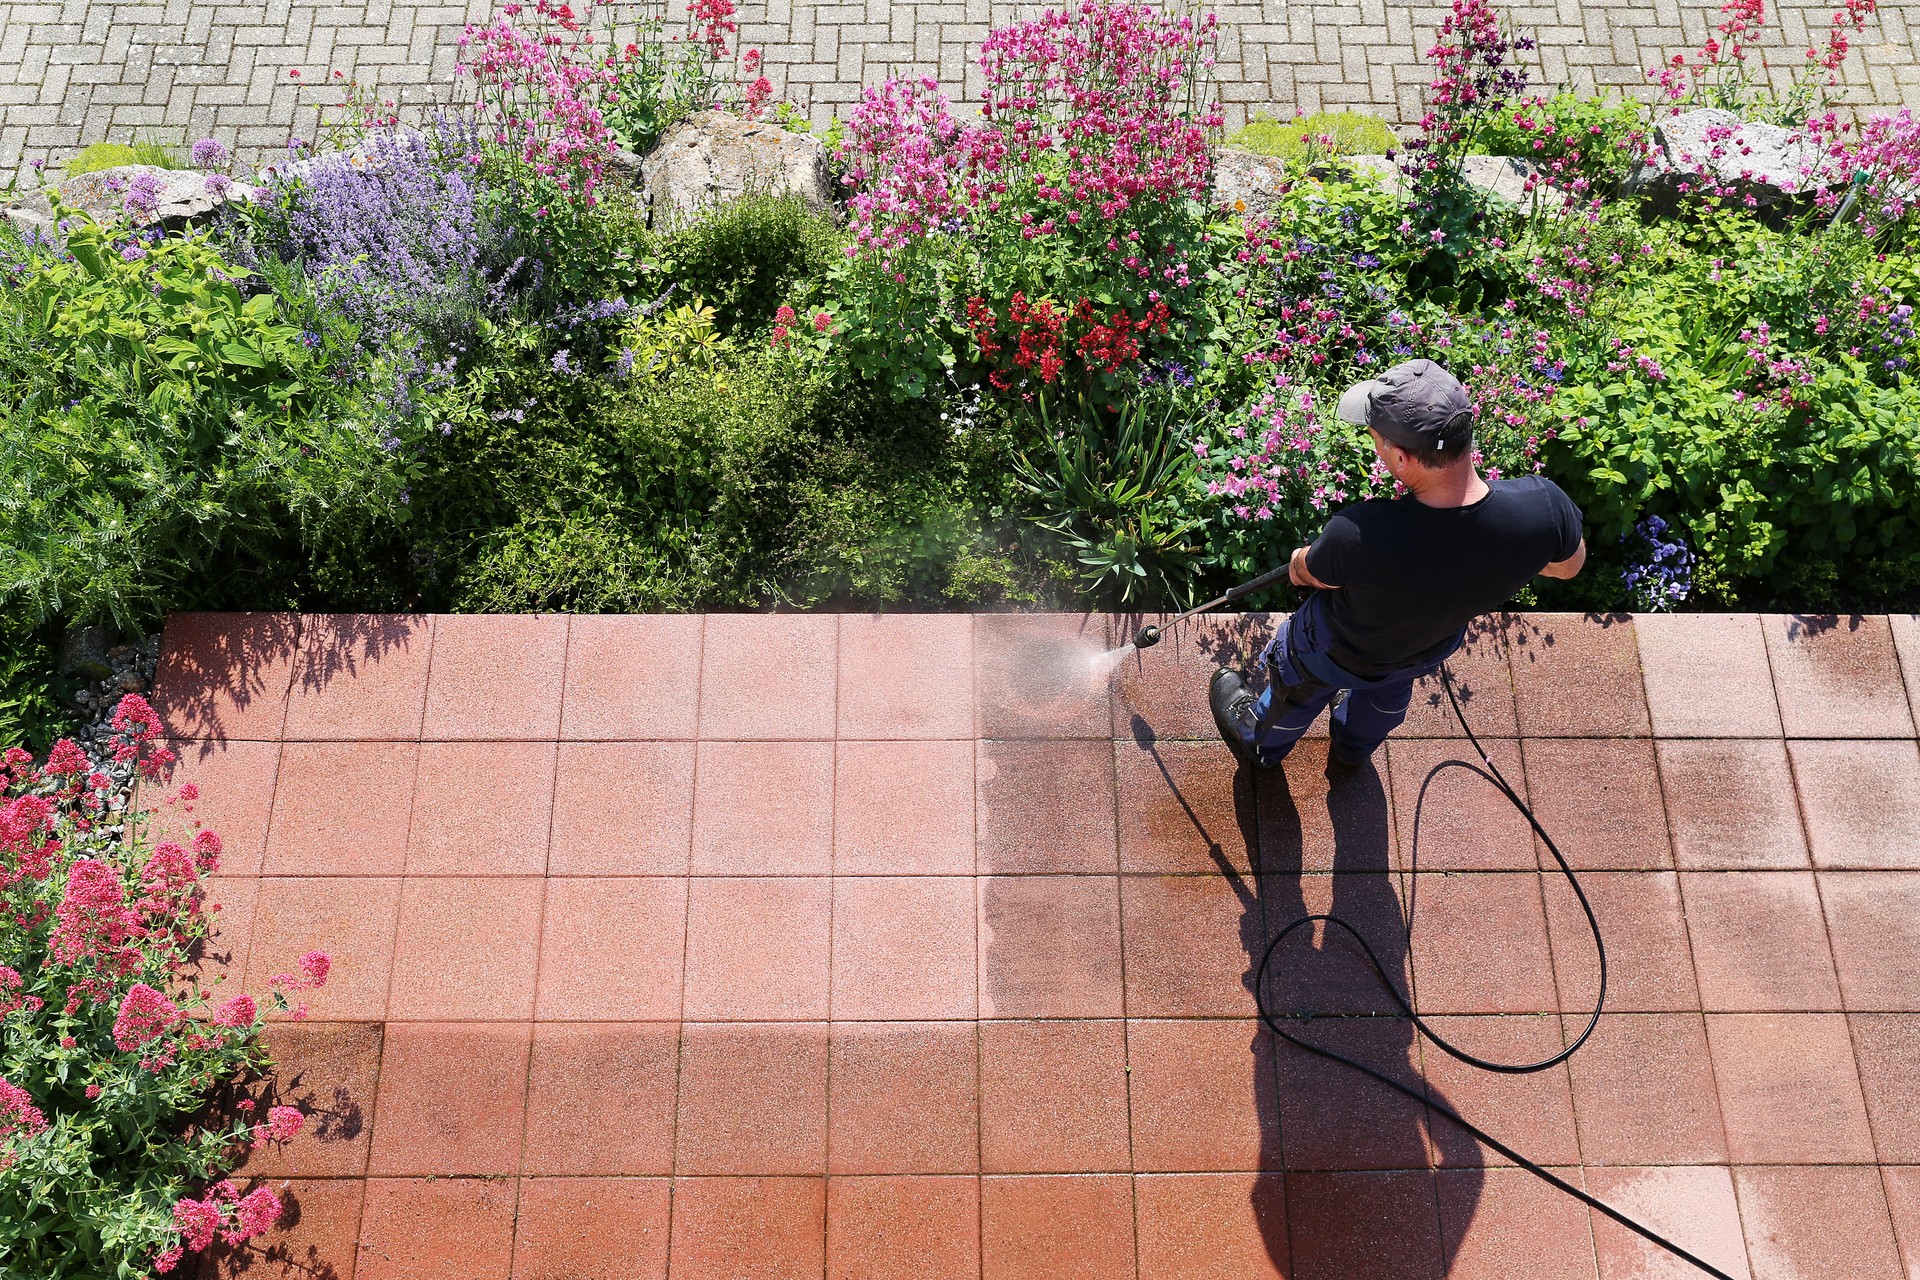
x=539 y=949
x=979 y=958
x=393 y=941
x=686 y=946
x=833 y=896
x=1126 y=1021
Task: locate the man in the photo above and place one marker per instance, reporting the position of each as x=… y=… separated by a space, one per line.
x=1396 y=580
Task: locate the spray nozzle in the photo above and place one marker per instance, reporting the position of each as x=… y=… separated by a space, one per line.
x=1146 y=637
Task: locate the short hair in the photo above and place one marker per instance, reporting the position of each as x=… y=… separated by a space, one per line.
x=1456 y=436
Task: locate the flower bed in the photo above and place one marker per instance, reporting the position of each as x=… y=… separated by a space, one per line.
x=451 y=365
x=111 y=1147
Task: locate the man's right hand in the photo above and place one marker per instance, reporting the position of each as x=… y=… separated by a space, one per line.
x=1300 y=575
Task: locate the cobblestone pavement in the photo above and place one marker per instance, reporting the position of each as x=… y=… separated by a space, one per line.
x=907 y=946
x=80 y=71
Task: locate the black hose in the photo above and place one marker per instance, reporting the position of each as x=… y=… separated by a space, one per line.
x=1274 y=1022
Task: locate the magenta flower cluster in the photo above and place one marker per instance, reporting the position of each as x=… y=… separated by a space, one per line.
x=1098 y=107
x=538 y=92
x=1476 y=72
x=900 y=154
x=1087 y=114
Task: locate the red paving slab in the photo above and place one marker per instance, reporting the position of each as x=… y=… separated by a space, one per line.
x=1861 y=802
x=632 y=678
x=592 y=1229
x=235 y=781
x=931 y=954
x=1731 y=805
x=360 y=676
x=1837 y=677
x=901 y=1228
x=1577 y=675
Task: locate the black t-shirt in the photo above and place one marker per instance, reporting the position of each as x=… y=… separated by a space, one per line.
x=1410 y=576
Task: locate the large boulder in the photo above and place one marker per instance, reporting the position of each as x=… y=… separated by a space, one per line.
x=1503 y=177
x=713 y=157
x=1713 y=146
x=183 y=194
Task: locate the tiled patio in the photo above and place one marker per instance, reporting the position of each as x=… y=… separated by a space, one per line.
x=755 y=947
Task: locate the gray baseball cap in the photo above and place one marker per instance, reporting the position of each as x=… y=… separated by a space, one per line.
x=1411 y=404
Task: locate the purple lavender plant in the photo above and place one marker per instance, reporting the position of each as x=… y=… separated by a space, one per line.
x=401 y=239
x=1660 y=576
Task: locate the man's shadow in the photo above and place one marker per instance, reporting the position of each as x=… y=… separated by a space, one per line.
x=1366 y=1170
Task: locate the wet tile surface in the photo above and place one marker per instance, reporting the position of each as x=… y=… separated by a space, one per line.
x=908 y=946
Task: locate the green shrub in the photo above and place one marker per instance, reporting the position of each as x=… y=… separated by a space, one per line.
x=30 y=708
x=738 y=478
x=112 y=155
x=1352 y=133
x=1592 y=140
x=165 y=433
x=748 y=257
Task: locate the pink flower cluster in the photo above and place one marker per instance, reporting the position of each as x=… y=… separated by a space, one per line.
x=145 y=1014
x=1088 y=113
x=235 y=1218
x=1098 y=107
x=115 y=929
x=19 y=1117
x=1871 y=166
x=539 y=94
x=899 y=153
x=1721 y=73
x=1283 y=455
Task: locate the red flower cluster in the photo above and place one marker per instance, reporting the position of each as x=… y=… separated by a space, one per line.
x=234 y=1217
x=715 y=19
x=1112 y=346
x=1041 y=336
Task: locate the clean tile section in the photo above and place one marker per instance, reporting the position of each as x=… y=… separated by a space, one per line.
x=901 y=946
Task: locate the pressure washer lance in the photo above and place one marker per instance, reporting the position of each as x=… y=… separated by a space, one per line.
x=1146 y=638
x=1149 y=636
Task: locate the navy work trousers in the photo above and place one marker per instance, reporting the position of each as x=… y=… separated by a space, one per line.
x=1305 y=680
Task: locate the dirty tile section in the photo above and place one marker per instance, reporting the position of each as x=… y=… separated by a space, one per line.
x=926 y=946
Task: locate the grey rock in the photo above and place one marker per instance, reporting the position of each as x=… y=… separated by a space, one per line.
x=84 y=651
x=1761 y=160
x=623 y=169
x=713 y=157
x=1504 y=177
x=1246 y=181
x=31 y=213
x=131 y=682
x=1253 y=183
x=184 y=194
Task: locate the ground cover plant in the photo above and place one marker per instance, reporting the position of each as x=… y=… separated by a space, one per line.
x=112 y=1150
x=449 y=363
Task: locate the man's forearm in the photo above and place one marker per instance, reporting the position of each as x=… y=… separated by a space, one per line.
x=1302 y=576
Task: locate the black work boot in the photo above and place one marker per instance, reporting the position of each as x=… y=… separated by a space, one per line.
x=1235 y=714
